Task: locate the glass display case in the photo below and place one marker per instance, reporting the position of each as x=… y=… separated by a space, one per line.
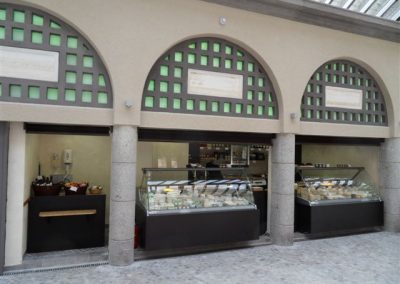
x=336 y=199
x=195 y=189
x=321 y=185
x=188 y=207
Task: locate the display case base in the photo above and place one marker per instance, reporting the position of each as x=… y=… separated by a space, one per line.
x=317 y=219
x=192 y=229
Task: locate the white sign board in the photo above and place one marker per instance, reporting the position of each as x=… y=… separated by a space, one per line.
x=215 y=84
x=23 y=63
x=343 y=98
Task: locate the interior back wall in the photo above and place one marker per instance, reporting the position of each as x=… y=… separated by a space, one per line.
x=91 y=158
x=356 y=155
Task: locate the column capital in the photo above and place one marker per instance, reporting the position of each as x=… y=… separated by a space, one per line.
x=390 y=150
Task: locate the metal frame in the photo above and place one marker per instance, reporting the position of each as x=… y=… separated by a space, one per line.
x=367 y=5
x=183 y=47
x=84 y=48
x=4 y=132
x=385 y=8
x=374 y=107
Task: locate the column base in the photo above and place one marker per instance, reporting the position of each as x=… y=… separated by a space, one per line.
x=282 y=235
x=120 y=252
x=392 y=222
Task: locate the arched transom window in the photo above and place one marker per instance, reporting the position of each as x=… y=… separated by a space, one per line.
x=44 y=60
x=341 y=91
x=210 y=76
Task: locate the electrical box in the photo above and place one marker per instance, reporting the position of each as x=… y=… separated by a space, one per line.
x=67 y=156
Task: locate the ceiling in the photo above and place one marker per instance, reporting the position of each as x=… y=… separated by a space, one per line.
x=386 y=9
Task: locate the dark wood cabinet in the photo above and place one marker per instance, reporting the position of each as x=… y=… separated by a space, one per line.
x=66 y=222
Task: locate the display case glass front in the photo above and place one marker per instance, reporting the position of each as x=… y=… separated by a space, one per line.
x=195 y=189
x=326 y=185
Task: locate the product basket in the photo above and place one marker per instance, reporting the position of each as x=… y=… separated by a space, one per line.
x=81 y=189
x=46 y=190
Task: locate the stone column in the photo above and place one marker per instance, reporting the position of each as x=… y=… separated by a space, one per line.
x=123 y=195
x=390 y=183
x=282 y=189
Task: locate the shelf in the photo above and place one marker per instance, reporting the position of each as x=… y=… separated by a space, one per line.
x=201 y=210
x=328 y=168
x=64 y=213
x=190 y=169
x=336 y=201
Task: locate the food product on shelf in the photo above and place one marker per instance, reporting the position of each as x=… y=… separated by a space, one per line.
x=332 y=189
x=76 y=184
x=199 y=196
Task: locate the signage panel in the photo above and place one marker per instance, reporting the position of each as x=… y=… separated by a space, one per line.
x=23 y=63
x=216 y=84
x=343 y=98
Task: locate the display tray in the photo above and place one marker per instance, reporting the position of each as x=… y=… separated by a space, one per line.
x=199 y=210
x=337 y=215
x=335 y=202
x=193 y=228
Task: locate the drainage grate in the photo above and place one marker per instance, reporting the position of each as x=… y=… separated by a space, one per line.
x=55 y=268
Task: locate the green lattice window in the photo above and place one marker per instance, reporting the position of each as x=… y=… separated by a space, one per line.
x=344 y=76
x=166 y=87
x=82 y=77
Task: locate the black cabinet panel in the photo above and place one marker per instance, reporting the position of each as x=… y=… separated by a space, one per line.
x=196 y=229
x=338 y=217
x=66 y=232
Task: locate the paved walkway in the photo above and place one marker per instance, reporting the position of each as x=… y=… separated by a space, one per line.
x=367 y=258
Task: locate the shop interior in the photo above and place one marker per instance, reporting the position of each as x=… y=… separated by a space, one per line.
x=72 y=160
x=86 y=159
x=205 y=189
x=254 y=157
x=336 y=188
x=67 y=180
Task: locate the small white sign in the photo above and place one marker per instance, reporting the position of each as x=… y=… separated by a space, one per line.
x=215 y=84
x=162 y=162
x=174 y=163
x=23 y=63
x=343 y=98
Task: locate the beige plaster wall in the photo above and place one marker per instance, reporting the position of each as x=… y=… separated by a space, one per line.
x=133 y=34
x=360 y=156
x=152 y=151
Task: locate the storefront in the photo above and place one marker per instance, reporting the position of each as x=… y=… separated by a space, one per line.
x=191 y=83
x=47 y=66
x=194 y=186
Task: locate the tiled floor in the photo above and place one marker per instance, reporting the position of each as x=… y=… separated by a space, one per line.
x=364 y=258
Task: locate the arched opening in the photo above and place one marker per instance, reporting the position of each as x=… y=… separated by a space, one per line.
x=214 y=77
x=338 y=177
x=46 y=61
